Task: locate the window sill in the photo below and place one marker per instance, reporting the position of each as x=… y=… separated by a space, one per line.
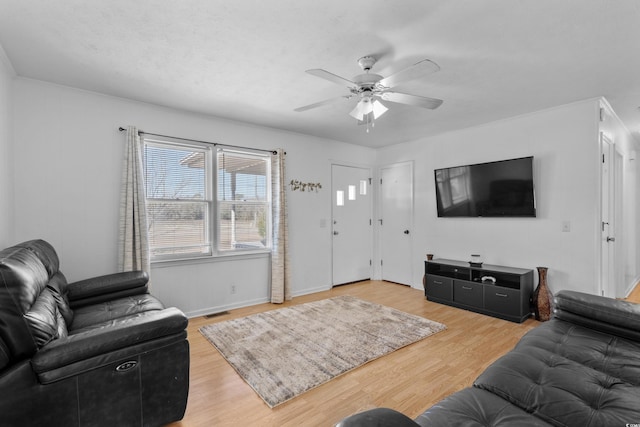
x=222 y=257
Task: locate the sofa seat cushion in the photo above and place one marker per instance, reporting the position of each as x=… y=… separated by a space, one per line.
x=612 y=355
x=553 y=382
x=474 y=407
x=94 y=316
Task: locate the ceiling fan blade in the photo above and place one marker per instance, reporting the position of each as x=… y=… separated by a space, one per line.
x=323 y=74
x=418 y=69
x=321 y=103
x=415 y=100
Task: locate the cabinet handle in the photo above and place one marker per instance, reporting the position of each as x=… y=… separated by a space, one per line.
x=501 y=295
x=468 y=288
x=437 y=283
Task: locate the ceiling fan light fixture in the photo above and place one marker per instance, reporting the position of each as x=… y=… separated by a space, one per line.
x=367 y=105
x=378 y=109
x=357 y=113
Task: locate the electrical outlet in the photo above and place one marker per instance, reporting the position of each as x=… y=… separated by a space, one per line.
x=233 y=288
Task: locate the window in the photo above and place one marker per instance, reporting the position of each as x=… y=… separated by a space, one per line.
x=243 y=201
x=203 y=201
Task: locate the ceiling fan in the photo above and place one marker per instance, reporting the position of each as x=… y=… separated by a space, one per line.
x=370 y=88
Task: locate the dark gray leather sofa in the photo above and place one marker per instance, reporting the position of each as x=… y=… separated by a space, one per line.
x=582 y=368
x=99 y=352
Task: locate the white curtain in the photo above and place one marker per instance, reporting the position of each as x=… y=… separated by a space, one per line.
x=280 y=266
x=133 y=238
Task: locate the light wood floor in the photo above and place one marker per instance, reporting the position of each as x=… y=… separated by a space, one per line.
x=409 y=380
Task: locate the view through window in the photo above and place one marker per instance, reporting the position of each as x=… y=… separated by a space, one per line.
x=204 y=201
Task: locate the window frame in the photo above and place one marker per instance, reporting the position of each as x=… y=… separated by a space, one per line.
x=211 y=199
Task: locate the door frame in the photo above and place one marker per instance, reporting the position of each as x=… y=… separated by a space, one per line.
x=370 y=169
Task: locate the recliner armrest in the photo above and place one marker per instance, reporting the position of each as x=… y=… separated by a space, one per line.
x=107 y=287
x=114 y=335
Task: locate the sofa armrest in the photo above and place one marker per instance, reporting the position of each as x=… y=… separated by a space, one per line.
x=114 y=335
x=107 y=287
x=604 y=314
x=378 y=417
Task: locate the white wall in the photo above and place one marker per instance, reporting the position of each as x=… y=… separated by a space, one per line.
x=564 y=144
x=68 y=155
x=6 y=153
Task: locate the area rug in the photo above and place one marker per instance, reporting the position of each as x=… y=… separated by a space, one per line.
x=285 y=352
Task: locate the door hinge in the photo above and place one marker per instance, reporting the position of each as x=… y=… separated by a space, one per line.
x=370 y=179
x=380 y=262
x=380 y=181
x=603 y=158
x=601 y=114
x=370 y=221
x=370 y=263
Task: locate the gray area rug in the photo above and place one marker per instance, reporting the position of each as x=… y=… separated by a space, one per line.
x=285 y=352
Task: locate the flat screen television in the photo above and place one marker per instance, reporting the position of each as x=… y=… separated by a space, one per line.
x=495 y=189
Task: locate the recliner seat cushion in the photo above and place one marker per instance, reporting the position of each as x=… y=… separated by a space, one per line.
x=93 y=316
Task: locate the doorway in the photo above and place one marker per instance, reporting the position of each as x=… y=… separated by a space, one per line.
x=351 y=223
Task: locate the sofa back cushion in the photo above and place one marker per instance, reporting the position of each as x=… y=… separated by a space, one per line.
x=608 y=315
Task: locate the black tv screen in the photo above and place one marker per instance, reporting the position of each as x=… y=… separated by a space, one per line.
x=496 y=189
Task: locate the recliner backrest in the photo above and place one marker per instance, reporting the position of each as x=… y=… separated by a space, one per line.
x=29 y=308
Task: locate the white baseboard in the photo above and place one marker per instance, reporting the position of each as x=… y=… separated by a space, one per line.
x=225 y=307
x=247 y=303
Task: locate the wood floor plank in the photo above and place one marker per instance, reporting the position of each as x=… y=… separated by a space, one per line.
x=410 y=379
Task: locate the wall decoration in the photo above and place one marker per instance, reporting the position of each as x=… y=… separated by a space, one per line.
x=304 y=186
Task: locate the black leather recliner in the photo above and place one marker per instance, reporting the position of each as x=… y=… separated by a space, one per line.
x=99 y=352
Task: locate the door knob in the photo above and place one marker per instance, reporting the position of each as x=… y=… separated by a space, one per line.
x=611 y=239
x=406 y=231
x=335 y=233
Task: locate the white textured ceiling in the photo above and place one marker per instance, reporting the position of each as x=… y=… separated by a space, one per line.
x=245 y=60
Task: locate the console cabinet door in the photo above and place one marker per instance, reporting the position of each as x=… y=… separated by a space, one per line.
x=439 y=287
x=502 y=300
x=467 y=293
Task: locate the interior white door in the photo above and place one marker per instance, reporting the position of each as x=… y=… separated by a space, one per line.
x=351 y=223
x=608 y=223
x=396 y=222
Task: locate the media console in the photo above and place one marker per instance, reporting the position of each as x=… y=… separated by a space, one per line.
x=458 y=284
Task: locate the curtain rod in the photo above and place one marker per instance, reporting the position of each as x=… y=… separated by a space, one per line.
x=215 y=144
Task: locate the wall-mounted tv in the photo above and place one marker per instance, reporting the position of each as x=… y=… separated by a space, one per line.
x=495 y=189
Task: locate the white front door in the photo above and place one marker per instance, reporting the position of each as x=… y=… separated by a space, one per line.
x=396 y=222
x=351 y=223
